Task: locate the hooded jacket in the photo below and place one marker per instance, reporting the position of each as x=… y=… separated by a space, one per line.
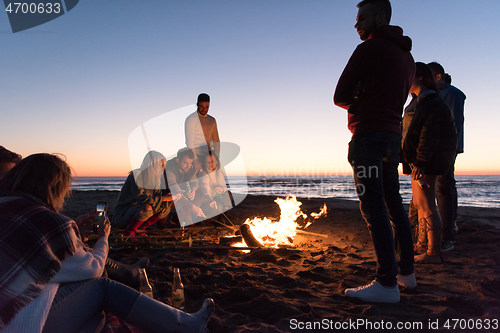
x=375 y=82
x=455 y=99
x=431 y=140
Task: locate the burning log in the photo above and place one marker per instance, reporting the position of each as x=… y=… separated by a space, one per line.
x=229 y=241
x=249 y=238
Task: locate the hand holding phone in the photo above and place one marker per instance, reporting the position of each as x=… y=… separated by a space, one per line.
x=101 y=211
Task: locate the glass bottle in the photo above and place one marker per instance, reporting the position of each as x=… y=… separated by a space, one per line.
x=145 y=288
x=177 y=290
x=420 y=181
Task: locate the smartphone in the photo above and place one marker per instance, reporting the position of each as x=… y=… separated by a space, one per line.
x=101 y=211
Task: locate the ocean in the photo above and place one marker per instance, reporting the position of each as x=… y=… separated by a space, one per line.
x=475 y=191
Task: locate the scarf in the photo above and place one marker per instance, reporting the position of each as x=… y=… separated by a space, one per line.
x=34 y=239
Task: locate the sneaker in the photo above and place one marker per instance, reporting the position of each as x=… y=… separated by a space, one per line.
x=375 y=292
x=407 y=281
x=447 y=245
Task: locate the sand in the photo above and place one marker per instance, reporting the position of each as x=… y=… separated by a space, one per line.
x=282 y=290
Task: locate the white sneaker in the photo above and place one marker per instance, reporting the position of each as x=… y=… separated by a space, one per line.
x=407 y=281
x=375 y=292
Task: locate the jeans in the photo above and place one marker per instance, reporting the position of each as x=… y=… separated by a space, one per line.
x=374 y=158
x=446 y=195
x=78 y=306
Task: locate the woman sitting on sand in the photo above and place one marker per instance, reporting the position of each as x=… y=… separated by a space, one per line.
x=214 y=192
x=141 y=201
x=429 y=148
x=48 y=281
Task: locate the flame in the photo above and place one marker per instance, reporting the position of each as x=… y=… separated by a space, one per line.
x=274 y=233
x=321 y=212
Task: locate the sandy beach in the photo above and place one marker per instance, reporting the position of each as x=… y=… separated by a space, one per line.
x=284 y=290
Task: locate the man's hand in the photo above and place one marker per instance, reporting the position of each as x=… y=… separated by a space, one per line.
x=171 y=197
x=219 y=189
x=197 y=210
x=212 y=204
x=417 y=173
x=85 y=224
x=191 y=195
x=197 y=165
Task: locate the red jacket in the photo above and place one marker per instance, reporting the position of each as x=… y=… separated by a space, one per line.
x=375 y=83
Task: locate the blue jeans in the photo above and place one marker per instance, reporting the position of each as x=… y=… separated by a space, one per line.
x=374 y=158
x=446 y=195
x=78 y=306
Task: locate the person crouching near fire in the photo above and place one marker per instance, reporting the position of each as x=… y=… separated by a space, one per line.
x=215 y=195
x=183 y=182
x=142 y=201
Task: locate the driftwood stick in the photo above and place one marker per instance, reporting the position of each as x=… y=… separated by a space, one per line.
x=187 y=248
x=310 y=233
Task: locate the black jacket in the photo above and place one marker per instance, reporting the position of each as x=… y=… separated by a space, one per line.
x=431 y=141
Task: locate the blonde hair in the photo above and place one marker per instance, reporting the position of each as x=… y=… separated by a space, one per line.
x=149 y=176
x=45 y=176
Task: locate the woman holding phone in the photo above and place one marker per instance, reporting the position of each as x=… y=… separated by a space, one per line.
x=48 y=280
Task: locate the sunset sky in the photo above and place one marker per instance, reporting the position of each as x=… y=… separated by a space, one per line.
x=82 y=83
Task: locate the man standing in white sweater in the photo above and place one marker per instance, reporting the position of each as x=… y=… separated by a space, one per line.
x=201 y=131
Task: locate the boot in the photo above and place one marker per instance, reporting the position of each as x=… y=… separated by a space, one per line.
x=149 y=222
x=126 y=274
x=132 y=227
x=433 y=254
x=420 y=246
x=155 y=316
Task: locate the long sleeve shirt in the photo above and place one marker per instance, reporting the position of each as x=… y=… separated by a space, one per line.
x=201 y=133
x=83 y=265
x=375 y=83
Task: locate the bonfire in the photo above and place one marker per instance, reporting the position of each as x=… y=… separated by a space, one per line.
x=272 y=233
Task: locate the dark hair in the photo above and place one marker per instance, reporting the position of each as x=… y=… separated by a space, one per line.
x=45 y=176
x=185 y=152
x=380 y=5
x=7 y=156
x=424 y=71
x=447 y=78
x=203 y=98
x=436 y=67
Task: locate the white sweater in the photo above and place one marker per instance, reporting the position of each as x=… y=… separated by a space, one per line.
x=82 y=265
x=201 y=132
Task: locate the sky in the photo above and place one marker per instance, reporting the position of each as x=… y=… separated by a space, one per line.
x=81 y=84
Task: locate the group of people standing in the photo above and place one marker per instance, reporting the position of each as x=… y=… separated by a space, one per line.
x=373 y=88
x=193 y=182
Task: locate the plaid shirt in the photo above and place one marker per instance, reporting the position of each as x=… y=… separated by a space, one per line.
x=33 y=241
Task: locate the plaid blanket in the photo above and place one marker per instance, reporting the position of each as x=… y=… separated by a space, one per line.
x=33 y=241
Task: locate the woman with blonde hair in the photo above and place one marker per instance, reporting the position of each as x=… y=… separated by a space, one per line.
x=142 y=200
x=429 y=149
x=48 y=279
